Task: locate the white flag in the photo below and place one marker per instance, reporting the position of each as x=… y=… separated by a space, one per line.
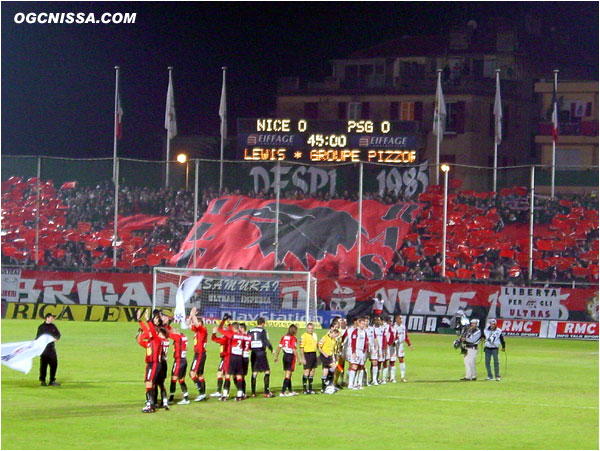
x=19 y=356
x=439 y=112
x=498 y=114
x=184 y=293
x=223 y=110
x=170 y=119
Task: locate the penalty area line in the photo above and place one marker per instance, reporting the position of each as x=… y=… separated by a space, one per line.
x=419 y=398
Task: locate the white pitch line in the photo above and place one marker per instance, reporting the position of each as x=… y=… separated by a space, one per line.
x=468 y=400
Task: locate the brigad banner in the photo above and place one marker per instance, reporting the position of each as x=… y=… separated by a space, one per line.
x=321 y=237
x=480 y=301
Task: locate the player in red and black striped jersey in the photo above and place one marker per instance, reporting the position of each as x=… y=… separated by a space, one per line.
x=224 y=362
x=179 y=365
x=197 y=368
x=288 y=344
x=152 y=339
x=237 y=344
x=246 y=357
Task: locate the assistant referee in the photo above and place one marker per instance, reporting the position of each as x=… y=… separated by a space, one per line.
x=308 y=352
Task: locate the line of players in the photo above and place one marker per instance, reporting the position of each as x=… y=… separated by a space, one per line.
x=381 y=343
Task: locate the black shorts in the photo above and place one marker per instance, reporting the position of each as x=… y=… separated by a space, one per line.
x=311 y=360
x=161 y=373
x=236 y=365
x=151 y=372
x=198 y=363
x=179 y=367
x=259 y=361
x=326 y=361
x=289 y=362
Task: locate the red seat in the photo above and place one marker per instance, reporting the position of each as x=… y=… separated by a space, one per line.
x=541 y=264
x=482 y=274
x=580 y=272
x=463 y=273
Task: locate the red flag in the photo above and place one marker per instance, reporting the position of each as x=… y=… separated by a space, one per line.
x=68 y=185
x=315 y=236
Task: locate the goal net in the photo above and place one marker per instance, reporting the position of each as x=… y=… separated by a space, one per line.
x=245 y=295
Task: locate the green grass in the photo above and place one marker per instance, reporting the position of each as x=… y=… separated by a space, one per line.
x=548 y=400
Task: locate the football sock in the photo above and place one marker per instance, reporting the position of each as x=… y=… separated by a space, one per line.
x=267 y=380
x=360 y=377
x=402 y=369
x=219 y=384
x=310 y=382
x=351 y=376
x=304 y=380
x=184 y=389
x=149 y=399
x=172 y=390
x=374 y=373
x=202 y=387
x=393 y=372
x=253 y=384
x=284 y=386
x=323 y=383
x=330 y=375
x=384 y=376
x=290 y=384
x=163 y=394
x=243 y=386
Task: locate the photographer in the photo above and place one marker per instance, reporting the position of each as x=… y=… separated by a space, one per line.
x=470 y=340
x=493 y=339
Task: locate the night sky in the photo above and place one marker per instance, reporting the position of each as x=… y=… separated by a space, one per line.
x=58 y=79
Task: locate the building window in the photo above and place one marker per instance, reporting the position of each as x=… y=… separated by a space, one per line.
x=342 y=111
x=311 y=110
x=455 y=117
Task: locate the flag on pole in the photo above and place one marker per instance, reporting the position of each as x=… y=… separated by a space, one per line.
x=19 y=356
x=223 y=110
x=439 y=112
x=554 y=115
x=119 y=118
x=184 y=293
x=170 y=119
x=498 y=113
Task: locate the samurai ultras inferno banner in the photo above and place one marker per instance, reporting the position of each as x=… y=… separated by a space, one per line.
x=321 y=237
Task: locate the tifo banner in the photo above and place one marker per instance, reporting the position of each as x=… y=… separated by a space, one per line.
x=10 y=284
x=322 y=237
x=403 y=181
x=138 y=222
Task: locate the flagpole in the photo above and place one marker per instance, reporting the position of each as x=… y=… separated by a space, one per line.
x=115 y=124
x=116 y=215
x=168 y=135
x=437 y=147
x=555 y=110
x=196 y=169
x=531 y=217
x=496 y=131
x=360 y=208
x=223 y=114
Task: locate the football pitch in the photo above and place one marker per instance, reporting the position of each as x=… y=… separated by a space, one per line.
x=547 y=399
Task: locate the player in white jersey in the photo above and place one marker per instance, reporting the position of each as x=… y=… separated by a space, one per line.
x=359 y=344
x=373 y=352
x=343 y=350
x=381 y=346
x=402 y=337
x=390 y=354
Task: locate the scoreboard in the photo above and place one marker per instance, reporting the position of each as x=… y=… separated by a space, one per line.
x=318 y=141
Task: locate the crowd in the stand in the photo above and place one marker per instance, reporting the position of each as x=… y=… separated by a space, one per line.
x=479 y=246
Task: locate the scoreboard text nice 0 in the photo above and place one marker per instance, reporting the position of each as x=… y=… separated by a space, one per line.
x=317 y=141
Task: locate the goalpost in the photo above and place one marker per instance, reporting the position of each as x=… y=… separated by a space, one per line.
x=243 y=294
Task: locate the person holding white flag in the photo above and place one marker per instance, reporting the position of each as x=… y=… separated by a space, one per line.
x=19 y=356
x=48 y=356
x=184 y=293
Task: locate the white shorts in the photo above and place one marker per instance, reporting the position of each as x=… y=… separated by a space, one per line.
x=359 y=359
x=400 y=352
x=391 y=353
x=373 y=354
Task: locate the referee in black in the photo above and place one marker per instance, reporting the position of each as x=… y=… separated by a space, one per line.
x=258 y=345
x=48 y=357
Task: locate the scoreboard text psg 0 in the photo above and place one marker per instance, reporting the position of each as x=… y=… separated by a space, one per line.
x=317 y=141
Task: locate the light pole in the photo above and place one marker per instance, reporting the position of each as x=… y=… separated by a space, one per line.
x=182 y=158
x=445 y=169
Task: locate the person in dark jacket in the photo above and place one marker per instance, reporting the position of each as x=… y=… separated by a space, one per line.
x=48 y=357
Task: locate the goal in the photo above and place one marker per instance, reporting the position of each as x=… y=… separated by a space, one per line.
x=245 y=295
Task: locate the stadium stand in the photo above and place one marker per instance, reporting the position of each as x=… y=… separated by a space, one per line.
x=487 y=233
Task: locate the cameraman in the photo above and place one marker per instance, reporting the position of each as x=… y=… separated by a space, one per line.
x=493 y=339
x=470 y=340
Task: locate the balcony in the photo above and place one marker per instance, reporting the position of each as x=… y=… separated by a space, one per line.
x=569 y=132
